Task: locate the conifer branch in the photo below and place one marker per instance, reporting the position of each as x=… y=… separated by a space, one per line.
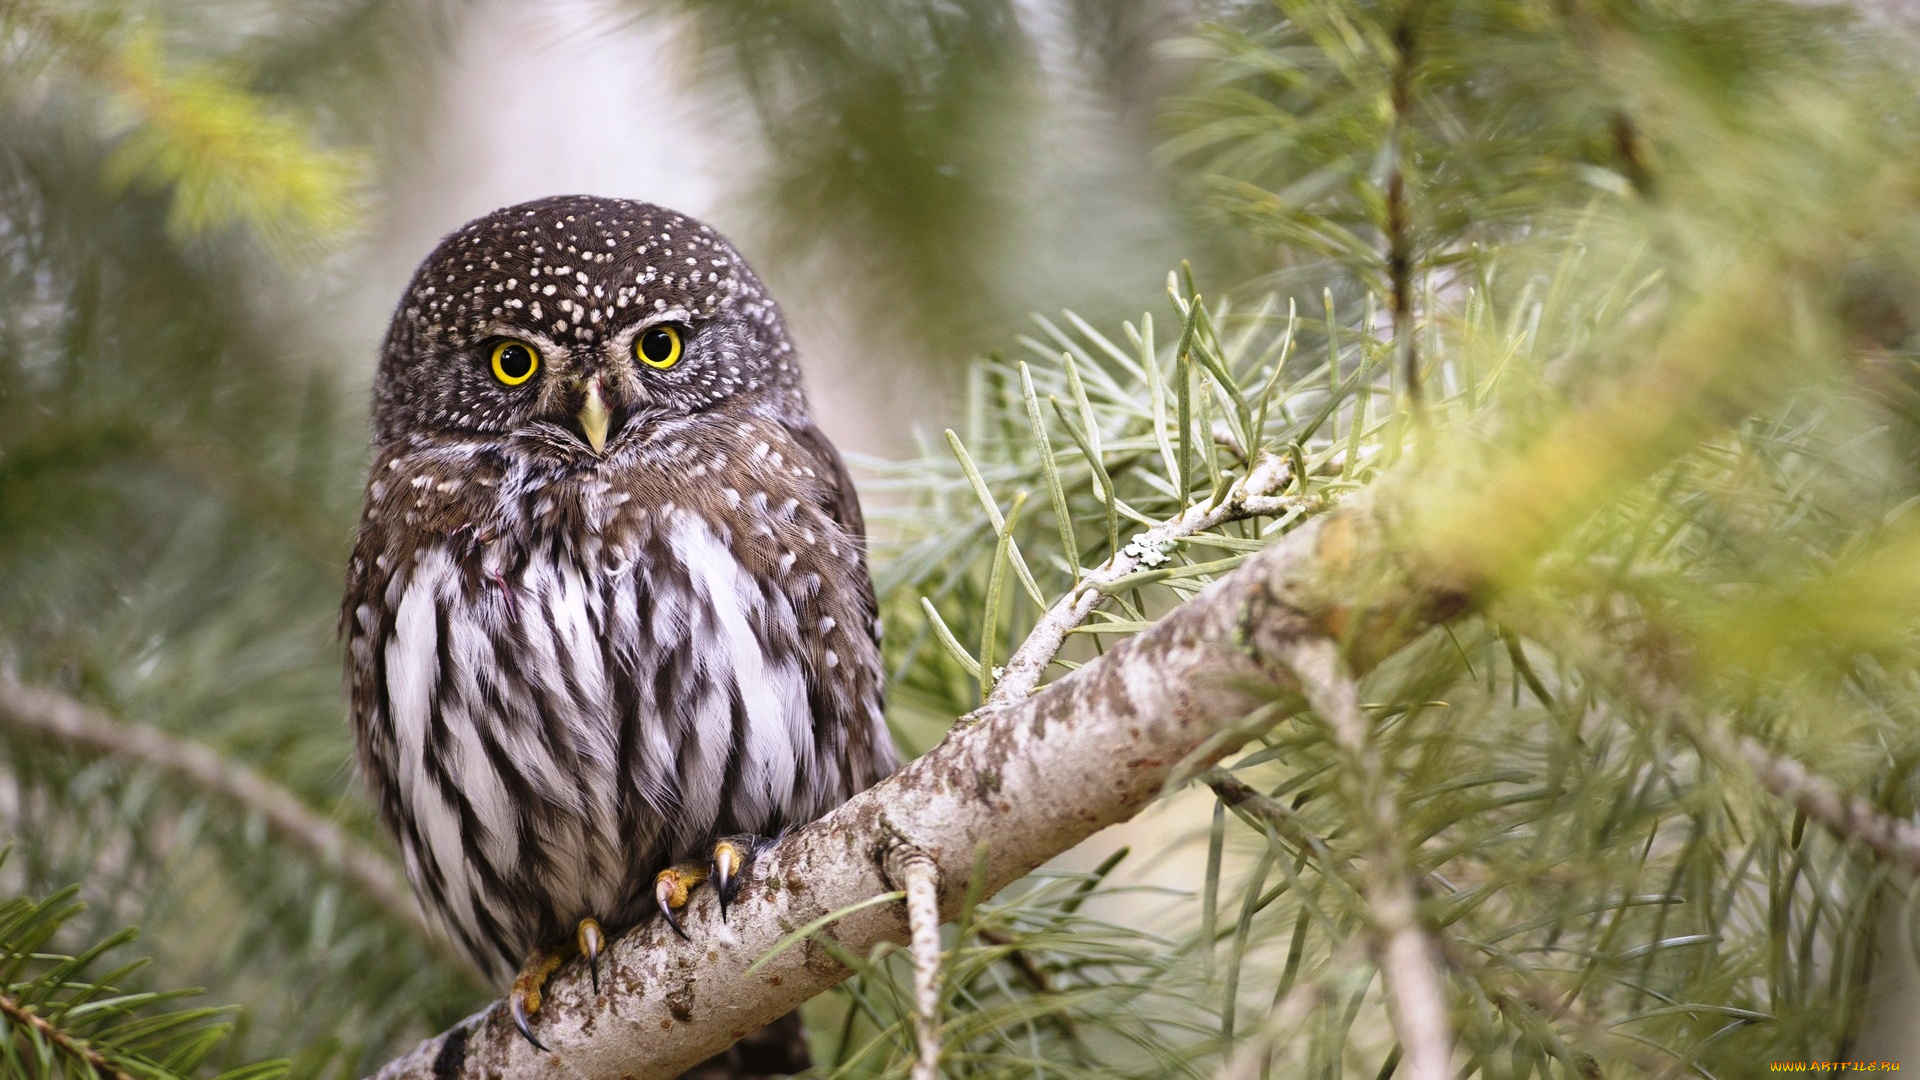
x=1237 y=796
x=1399 y=226
x=228 y=154
x=1409 y=955
x=55 y=717
x=62 y=1016
x=1849 y=817
x=17 y=1013
x=1253 y=496
x=1537 y=996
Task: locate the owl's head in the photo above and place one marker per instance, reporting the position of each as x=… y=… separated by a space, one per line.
x=576 y=321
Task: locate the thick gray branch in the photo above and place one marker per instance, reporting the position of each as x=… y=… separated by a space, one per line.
x=1020 y=785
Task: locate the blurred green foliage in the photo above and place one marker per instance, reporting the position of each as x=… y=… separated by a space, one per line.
x=176 y=495
x=65 y=1017
x=898 y=124
x=1610 y=302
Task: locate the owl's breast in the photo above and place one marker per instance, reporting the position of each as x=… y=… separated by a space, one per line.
x=564 y=722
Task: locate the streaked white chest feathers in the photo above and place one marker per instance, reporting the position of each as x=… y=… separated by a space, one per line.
x=557 y=717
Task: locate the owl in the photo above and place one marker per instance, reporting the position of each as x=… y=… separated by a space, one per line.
x=608 y=620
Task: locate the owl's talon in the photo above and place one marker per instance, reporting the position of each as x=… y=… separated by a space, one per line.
x=727 y=860
x=589 y=940
x=672 y=886
x=731 y=857
x=662 y=891
x=516 y=1004
x=524 y=1001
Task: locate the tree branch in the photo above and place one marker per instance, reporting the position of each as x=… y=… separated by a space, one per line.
x=61 y=719
x=1849 y=817
x=1398 y=226
x=80 y=1048
x=996 y=798
x=919 y=879
x=1409 y=955
x=1252 y=496
x=1261 y=811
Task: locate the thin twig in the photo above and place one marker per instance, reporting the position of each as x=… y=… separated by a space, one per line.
x=1399 y=227
x=1252 y=496
x=1843 y=813
x=1826 y=803
x=56 y=717
x=1030 y=970
x=916 y=875
x=1409 y=954
x=1237 y=795
x=1846 y=815
x=1020 y=958
x=1535 y=994
x=26 y=1017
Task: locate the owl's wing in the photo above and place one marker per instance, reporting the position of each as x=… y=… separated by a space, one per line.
x=840 y=500
x=868 y=750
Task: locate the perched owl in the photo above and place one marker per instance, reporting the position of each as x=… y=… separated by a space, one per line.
x=608 y=618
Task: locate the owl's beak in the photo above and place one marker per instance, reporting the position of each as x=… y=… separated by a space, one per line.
x=594 y=415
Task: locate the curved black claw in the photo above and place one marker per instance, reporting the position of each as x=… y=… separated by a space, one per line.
x=588 y=938
x=517 y=1005
x=728 y=861
x=728 y=865
x=663 y=896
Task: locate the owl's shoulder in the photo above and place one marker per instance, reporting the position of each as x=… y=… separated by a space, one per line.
x=417 y=497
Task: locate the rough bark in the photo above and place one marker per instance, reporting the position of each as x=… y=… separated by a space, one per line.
x=1014 y=787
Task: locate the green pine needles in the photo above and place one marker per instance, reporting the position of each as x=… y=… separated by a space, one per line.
x=224 y=155
x=1605 y=893
x=1632 y=416
x=73 y=1015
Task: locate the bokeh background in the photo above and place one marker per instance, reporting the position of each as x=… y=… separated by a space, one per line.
x=208 y=208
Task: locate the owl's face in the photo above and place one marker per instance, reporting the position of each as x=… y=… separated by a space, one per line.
x=574 y=322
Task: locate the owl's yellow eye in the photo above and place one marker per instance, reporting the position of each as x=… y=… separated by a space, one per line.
x=658 y=347
x=514 y=362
